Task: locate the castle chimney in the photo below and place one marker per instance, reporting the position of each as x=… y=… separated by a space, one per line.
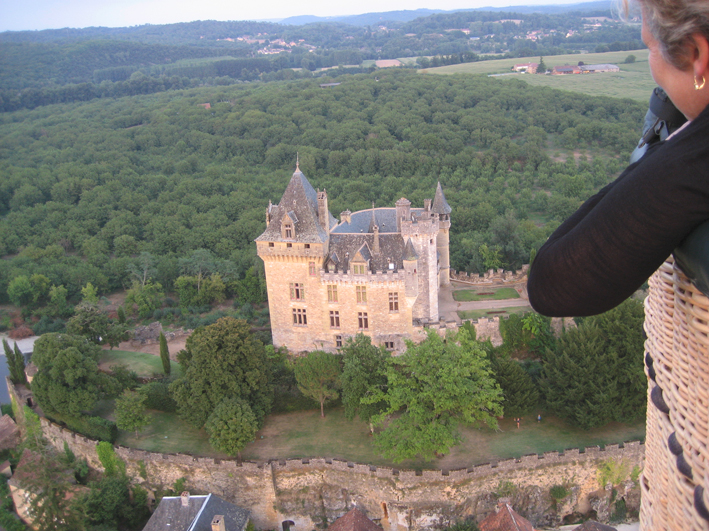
x=323 y=212
x=376 y=240
x=185 y=497
x=427 y=205
x=218 y=523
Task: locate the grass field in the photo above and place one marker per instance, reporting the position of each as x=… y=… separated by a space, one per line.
x=498 y=312
x=633 y=81
x=306 y=434
x=466 y=295
x=141 y=363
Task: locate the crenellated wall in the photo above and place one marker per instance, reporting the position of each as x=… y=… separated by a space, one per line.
x=493 y=276
x=311 y=492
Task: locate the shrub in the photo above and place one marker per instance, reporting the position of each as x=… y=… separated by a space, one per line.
x=158 y=397
x=92 y=427
x=47 y=325
x=558 y=492
x=613 y=472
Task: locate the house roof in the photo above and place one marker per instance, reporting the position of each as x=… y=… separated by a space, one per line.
x=505 y=519
x=354 y=520
x=9 y=432
x=196 y=514
x=591 y=525
x=345 y=246
x=300 y=203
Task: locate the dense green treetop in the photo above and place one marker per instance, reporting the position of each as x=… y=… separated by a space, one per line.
x=221 y=361
x=68 y=381
x=432 y=387
x=87 y=187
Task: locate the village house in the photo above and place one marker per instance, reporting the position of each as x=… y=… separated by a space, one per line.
x=376 y=271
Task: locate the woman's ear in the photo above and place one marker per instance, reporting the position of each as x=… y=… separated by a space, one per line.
x=699 y=48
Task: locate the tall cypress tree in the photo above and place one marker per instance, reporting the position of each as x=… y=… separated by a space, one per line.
x=164 y=354
x=10 y=359
x=20 y=365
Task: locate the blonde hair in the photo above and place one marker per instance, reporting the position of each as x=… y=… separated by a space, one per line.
x=672 y=23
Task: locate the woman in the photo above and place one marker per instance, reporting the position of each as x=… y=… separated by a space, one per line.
x=605 y=251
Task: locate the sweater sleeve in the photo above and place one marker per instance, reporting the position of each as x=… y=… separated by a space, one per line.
x=606 y=250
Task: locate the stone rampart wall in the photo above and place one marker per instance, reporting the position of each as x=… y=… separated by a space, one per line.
x=493 y=276
x=312 y=491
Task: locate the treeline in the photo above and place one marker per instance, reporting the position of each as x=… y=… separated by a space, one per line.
x=87 y=187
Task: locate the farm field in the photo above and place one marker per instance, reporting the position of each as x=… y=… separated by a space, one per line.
x=633 y=81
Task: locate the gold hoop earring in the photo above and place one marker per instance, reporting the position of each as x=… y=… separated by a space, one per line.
x=697 y=85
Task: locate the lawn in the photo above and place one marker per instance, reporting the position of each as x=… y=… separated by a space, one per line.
x=633 y=81
x=499 y=312
x=305 y=434
x=466 y=295
x=142 y=364
x=167 y=433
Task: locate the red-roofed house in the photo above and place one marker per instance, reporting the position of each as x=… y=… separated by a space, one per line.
x=355 y=520
x=505 y=519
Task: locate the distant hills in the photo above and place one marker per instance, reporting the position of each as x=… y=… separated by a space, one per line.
x=368 y=19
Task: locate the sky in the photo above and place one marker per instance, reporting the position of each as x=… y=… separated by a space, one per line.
x=17 y=15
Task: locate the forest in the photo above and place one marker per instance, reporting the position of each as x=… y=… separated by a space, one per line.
x=87 y=187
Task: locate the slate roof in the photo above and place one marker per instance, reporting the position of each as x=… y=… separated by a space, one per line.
x=591 y=525
x=197 y=515
x=300 y=202
x=391 y=247
x=354 y=520
x=440 y=205
x=505 y=519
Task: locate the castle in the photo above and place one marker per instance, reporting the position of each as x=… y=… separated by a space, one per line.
x=375 y=272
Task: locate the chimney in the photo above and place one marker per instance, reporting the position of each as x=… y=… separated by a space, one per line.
x=376 y=240
x=427 y=205
x=218 y=523
x=323 y=212
x=185 y=497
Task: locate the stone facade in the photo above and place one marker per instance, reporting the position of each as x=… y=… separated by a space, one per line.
x=375 y=271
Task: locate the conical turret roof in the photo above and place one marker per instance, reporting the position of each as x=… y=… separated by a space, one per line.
x=440 y=205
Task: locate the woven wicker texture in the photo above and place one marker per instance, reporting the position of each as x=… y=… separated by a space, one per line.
x=677 y=326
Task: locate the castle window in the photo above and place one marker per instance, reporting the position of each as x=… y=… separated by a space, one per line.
x=270 y=244
x=288 y=230
x=361 y=294
x=335 y=319
x=393 y=302
x=363 y=321
x=338 y=341
x=359 y=269
x=299 y=317
x=307 y=245
x=311 y=268
x=289 y=245
x=297 y=291
x=332 y=293
x=389 y=345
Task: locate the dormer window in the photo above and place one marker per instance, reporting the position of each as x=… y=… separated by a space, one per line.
x=288 y=226
x=288 y=231
x=359 y=269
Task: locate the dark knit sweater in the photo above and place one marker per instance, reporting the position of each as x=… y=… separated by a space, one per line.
x=608 y=248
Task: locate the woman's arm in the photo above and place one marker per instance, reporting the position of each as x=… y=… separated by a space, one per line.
x=618 y=238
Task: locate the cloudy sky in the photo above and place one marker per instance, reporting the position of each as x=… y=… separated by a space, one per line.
x=18 y=15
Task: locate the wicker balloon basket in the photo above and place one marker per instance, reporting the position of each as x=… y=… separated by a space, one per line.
x=675 y=481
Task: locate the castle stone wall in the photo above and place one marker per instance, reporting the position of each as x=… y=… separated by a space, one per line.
x=311 y=492
x=493 y=276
